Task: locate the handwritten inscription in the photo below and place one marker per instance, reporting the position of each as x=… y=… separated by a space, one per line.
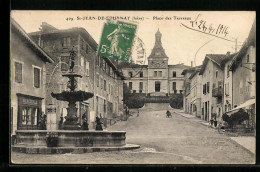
x=202 y=25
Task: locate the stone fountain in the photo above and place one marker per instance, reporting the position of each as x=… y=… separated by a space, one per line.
x=71 y=137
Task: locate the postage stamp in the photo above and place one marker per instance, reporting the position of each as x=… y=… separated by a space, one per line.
x=117 y=40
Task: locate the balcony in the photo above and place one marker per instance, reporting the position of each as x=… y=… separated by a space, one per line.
x=217 y=92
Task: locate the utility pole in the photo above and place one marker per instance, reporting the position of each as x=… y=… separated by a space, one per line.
x=235 y=45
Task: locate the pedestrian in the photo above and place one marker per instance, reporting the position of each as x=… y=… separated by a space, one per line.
x=168 y=114
x=137 y=112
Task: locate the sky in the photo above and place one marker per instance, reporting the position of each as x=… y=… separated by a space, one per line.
x=182 y=41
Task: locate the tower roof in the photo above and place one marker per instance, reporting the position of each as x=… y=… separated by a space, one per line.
x=158 y=51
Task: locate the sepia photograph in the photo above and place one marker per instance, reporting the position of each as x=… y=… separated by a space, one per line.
x=132 y=87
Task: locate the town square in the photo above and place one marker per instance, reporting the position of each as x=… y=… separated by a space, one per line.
x=103 y=87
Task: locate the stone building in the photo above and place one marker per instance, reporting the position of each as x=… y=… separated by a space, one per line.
x=100 y=75
x=243 y=68
x=228 y=81
x=195 y=93
x=186 y=89
x=158 y=78
x=212 y=72
x=28 y=79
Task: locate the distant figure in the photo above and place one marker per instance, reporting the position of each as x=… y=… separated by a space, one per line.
x=85 y=121
x=138 y=112
x=61 y=122
x=42 y=122
x=168 y=114
x=98 y=124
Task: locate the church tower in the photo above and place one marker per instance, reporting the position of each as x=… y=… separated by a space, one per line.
x=158 y=58
x=158 y=69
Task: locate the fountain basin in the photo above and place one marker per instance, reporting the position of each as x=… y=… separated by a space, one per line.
x=74 y=141
x=72 y=96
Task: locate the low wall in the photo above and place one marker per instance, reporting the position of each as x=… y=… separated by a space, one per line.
x=70 y=138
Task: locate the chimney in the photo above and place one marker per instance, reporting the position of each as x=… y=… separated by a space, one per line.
x=228 y=53
x=191 y=63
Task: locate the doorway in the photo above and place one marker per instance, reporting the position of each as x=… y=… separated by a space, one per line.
x=157 y=86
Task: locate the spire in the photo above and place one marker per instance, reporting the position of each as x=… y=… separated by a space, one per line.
x=158 y=50
x=158 y=37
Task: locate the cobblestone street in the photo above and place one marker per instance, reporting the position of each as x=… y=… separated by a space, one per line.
x=176 y=140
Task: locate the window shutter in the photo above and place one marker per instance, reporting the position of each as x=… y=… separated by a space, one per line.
x=18 y=72
x=36 y=78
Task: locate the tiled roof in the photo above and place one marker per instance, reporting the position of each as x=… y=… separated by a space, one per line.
x=218 y=59
x=42 y=53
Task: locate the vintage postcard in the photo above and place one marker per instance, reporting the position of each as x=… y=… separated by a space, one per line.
x=133 y=87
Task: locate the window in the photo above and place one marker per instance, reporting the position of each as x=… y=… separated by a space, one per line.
x=86 y=48
x=130 y=74
x=36 y=76
x=173 y=85
x=130 y=85
x=155 y=73
x=208 y=87
x=174 y=74
x=82 y=61
x=140 y=85
x=141 y=74
x=66 y=42
x=101 y=62
x=216 y=74
x=101 y=82
x=64 y=63
x=105 y=106
x=181 y=91
x=214 y=85
x=105 y=85
x=160 y=73
x=28 y=112
x=247 y=58
x=18 y=72
x=87 y=68
x=97 y=80
x=98 y=60
x=82 y=44
x=204 y=88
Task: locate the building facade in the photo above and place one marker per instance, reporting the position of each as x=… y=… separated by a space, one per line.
x=243 y=68
x=98 y=74
x=28 y=79
x=212 y=72
x=195 y=93
x=158 y=77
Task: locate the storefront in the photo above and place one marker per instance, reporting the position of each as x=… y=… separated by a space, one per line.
x=29 y=110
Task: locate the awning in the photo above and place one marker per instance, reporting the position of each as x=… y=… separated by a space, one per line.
x=243 y=105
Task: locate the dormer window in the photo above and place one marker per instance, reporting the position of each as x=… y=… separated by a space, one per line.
x=130 y=74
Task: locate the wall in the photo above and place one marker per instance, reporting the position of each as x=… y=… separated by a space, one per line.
x=241 y=76
x=20 y=52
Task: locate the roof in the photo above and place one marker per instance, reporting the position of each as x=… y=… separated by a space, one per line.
x=250 y=41
x=81 y=30
x=179 y=65
x=195 y=72
x=122 y=65
x=158 y=51
x=191 y=69
x=49 y=29
x=218 y=59
x=42 y=54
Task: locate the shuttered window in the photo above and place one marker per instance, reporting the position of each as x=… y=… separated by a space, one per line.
x=36 y=77
x=18 y=72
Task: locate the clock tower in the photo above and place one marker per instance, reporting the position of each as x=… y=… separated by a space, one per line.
x=158 y=68
x=158 y=58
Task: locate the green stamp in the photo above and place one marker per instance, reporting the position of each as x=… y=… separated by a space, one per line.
x=117 y=40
